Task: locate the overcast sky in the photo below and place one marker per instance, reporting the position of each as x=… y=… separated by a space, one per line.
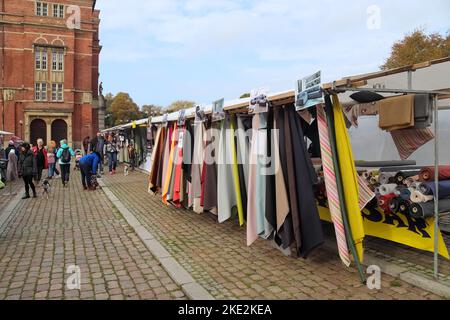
x=201 y=50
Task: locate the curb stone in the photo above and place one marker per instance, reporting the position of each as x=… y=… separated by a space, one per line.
x=190 y=287
x=402 y=273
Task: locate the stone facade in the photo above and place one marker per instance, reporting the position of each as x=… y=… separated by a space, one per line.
x=44 y=42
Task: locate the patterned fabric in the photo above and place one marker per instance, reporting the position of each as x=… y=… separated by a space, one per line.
x=408 y=141
x=331 y=186
x=365 y=193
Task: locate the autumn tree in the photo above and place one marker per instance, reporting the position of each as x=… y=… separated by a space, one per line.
x=180 y=105
x=123 y=109
x=151 y=110
x=418 y=47
x=245 y=95
x=109 y=118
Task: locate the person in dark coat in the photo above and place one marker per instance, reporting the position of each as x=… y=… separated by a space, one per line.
x=98 y=145
x=11 y=146
x=27 y=169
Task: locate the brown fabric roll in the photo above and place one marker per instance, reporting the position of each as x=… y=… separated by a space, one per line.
x=397 y=112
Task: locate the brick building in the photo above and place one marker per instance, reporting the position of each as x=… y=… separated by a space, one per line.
x=49 y=53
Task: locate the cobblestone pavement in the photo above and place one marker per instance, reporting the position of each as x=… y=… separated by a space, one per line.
x=5 y=199
x=75 y=227
x=217 y=257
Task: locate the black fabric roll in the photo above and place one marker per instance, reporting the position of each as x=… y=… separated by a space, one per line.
x=426 y=210
x=374 y=164
x=402 y=175
x=285 y=235
x=270 y=214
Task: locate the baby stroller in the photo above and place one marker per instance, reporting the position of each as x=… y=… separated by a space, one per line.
x=78 y=156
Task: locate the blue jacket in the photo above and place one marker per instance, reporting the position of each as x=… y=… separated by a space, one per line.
x=60 y=151
x=92 y=160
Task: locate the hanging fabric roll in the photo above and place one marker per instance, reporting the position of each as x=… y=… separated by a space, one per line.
x=165 y=157
x=366 y=195
x=263 y=227
x=178 y=181
x=426 y=210
x=175 y=153
x=167 y=178
x=235 y=168
x=429 y=188
x=349 y=177
x=225 y=181
x=196 y=167
x=252 y=233
x=155 y=160
x=330 y=183
x=305 y=177
x=211 y=153
x=243 y=153
x=285 y=236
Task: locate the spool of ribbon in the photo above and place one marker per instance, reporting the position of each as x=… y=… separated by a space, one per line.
x=386 y=189
x=419 y=197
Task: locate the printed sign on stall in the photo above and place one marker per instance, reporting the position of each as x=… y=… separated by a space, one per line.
x=309 y=92
x=259 y=102
x=218 y=113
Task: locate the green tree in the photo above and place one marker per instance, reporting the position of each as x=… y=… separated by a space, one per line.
x=123 y=109
x=151 y=110
x=109 y=117
x=418 y=47
x=245 y=95
x=180 y=105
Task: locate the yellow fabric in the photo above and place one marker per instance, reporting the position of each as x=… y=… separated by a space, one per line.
x=237 y=186
x=169 y=166
x=409 y=232
x=349 y=177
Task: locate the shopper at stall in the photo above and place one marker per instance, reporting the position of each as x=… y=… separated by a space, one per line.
x=27 y=169
x=41 y=158
x=12 y=173
x=132 y=155
x=64 y=155
x=88 y=167
x=111 y=151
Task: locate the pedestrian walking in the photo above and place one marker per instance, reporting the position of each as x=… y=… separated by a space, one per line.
x=27 y=169
x=88 y=167
x=51 y=159
x=41 y=158
x=86 y=145
x=111 y=151
x=64 y=155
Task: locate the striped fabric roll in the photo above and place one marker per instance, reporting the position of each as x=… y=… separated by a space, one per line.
x=331 y=186
x=408 y=141
x=365 y=193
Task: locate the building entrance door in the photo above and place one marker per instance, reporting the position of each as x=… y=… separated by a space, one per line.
x=38 y=130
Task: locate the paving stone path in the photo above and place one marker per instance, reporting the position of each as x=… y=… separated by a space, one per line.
x=42 y=238
x=217 y=257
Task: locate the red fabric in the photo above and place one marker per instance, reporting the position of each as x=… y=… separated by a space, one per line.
x=384 y=202
x=178 y=169
x=427 y=174
x=44 y=151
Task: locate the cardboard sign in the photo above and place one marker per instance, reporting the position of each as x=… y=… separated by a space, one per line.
x=309 y=92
